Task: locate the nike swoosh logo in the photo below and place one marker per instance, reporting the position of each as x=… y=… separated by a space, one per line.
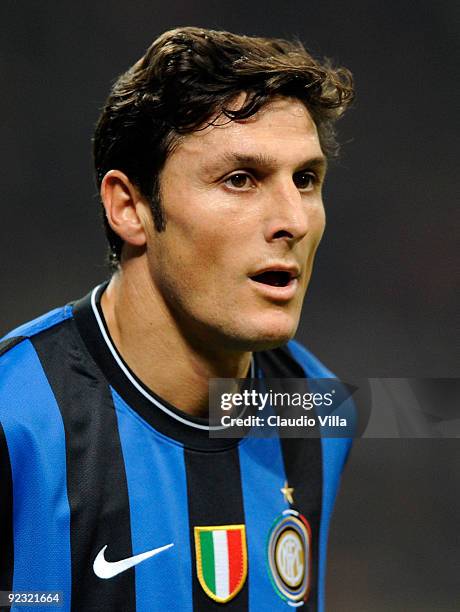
x=109 y=569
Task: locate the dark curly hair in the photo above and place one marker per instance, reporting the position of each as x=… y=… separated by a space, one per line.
x=189 y=76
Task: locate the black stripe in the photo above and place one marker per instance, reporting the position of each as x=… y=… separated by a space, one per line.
x=6 y=517
x=6 y=345
x=214 y=498
x=96 y=479
x=303 y=464
x=303 y=467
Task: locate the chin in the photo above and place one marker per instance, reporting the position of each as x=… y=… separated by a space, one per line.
x=264 y=337
x=271 y=341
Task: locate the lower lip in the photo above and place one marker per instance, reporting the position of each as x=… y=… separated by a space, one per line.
x=277 y=293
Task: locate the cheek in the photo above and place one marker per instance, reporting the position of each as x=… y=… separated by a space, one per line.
x=213 y=234
x=195 y=256
x=318 y=222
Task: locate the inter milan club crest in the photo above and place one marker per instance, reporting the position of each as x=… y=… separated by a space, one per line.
x=221 y=560
x=289 y=556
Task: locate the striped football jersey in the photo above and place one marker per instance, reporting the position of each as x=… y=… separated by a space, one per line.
x=121 y=502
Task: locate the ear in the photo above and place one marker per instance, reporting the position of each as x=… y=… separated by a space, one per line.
x=124 y=207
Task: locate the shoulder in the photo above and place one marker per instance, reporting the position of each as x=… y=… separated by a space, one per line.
x=21 y=372
x=17 y=347
x=34 y=327
x=311 y=365
x=335 y=450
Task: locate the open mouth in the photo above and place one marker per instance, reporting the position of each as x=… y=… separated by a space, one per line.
x=275 y=278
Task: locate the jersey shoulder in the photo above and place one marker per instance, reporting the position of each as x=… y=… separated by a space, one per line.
x=23 y=381
x=34 y=327
x=311 y=365
x=335 y=450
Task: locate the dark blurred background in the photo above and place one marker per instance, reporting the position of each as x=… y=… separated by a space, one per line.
x=382 y=301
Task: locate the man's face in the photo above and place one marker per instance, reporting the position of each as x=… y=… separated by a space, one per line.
x=244 y=217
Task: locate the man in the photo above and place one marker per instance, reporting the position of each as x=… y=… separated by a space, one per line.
x=210 y=156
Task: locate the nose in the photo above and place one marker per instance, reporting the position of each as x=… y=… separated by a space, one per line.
x=287 y=213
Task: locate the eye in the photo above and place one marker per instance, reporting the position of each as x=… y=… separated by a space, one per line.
x=240 y=181
x=304 y=181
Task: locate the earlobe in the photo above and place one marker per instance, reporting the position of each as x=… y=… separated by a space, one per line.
x=122 y=203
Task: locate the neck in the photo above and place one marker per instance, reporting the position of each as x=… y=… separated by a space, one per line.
x=174 y=365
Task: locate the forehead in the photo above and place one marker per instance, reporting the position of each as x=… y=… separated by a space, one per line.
x=283 y=128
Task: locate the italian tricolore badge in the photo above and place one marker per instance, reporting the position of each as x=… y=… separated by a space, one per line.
x=221 y=560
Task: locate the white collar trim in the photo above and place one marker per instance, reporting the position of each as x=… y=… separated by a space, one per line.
x=134 y=382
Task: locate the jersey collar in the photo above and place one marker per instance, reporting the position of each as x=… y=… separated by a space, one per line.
x=193 y=432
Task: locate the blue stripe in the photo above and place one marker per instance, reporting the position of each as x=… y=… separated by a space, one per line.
x=40 y=323
x=157 y=487
x=262 y=477
x=334 y=455
x=36 y=441
x=312 y=365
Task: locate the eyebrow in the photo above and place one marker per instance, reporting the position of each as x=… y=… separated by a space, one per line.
x=262 y=160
